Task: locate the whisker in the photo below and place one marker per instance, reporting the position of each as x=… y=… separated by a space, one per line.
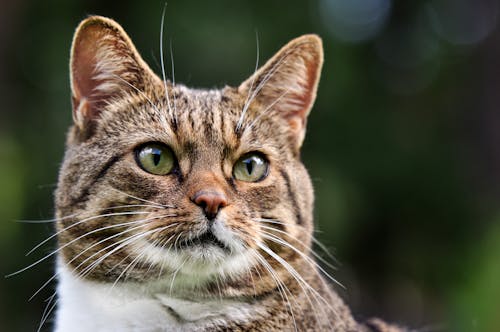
x=156 y=243
x=177 y=239
x=296 y=275
x=288 y=267
x=324 y=261
x=271 y=221
x=268 y=108
x=132 y=205
x=48 y=220
x=258 y=273
x=77 y=214
x=136 y=259
x=46 y=312
x=308 y=259
x=162 y=59
x=90 y=247
x=172 y=62
x=130 y=264
x=81 y=222
x=173 y=80
x=300 y=280
x=316 y=241
x=282 y=289
x=163 y=261
x=45 y=221
x=249 y=271
x=67 y=244
x=128 y=241
x=217 y=284
x=259 y=87
x=238 y=125
x=325 y=250
x=85 y=220
x=142 y=93
x=175 y=274
x=122 y=260
x=142 y=199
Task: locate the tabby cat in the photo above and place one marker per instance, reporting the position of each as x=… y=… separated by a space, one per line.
x=181 y=209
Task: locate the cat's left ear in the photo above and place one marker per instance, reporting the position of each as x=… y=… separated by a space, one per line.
x=287 y=83
x=104 y=66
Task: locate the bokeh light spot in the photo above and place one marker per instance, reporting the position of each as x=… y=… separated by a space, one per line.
x=355 y=20
x=463 y=22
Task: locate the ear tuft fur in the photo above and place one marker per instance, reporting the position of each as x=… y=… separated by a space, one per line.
x=290 y=80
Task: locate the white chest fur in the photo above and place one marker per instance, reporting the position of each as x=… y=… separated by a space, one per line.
x=90 y=306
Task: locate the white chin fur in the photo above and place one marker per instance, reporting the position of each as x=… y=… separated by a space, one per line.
x=195 y=265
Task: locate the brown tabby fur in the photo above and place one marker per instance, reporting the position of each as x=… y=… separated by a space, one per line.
x=119 y=104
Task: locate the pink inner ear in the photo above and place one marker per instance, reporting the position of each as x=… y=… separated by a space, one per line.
x=290 y=82
x=104 y=65
x=302 y=102
x=83 y=74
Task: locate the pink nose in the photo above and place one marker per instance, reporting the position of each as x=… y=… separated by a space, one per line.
x=210 y=201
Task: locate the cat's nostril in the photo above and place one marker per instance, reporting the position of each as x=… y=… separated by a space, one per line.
x=210 y=201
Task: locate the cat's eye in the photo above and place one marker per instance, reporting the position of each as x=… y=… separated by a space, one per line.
x=155 y=158
x=252 y=167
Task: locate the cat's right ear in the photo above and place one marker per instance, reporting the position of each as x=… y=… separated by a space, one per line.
x=288 y=82
x=104 y=65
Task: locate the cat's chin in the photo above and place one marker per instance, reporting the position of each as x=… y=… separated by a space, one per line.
x=197 y=260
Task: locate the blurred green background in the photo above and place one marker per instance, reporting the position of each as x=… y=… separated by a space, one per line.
x=403 y=143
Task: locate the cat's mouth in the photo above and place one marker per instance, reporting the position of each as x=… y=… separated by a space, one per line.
x=206 y=240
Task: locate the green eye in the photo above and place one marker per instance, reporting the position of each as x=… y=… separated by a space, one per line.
x=155 y=158
x=252 y=167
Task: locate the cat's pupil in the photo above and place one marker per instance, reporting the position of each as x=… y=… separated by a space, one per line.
x=249 y=165
x=156 y=157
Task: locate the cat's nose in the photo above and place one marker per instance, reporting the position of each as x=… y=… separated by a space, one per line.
x=210 y=201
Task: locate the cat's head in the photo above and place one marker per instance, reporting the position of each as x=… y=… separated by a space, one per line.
x=161 y=181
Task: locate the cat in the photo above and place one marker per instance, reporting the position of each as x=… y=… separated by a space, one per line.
x=183 y=209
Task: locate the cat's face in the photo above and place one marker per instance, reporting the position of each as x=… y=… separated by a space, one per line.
x=162 y=182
